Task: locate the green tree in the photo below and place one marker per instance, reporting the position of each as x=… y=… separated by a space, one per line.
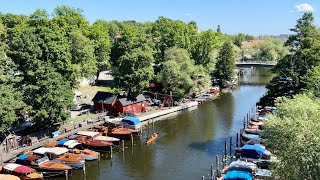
x=304 y=54
x=239 y=38
x=10 y=96
x=134 y=70
x=205 y=49
x=50 y=96
x=269 y=49
x=180 y=75
x=102 y=47
x=169 y=33
x=293 y=136
x=83 y=57
x=313 y=81
x=226 y=63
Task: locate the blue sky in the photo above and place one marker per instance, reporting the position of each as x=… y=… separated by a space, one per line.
x=257 y=17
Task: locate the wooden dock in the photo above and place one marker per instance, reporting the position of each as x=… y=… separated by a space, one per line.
x=145 y=118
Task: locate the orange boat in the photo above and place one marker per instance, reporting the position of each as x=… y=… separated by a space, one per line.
x=23 y=172
x=52 y=143
x=61 y=155
x=42 y=164
x=8 y=177
x=152 y=138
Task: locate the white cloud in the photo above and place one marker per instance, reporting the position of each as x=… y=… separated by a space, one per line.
x=188 y=14
x=303 y=8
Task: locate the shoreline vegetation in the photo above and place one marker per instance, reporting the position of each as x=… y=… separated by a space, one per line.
x=293 y=133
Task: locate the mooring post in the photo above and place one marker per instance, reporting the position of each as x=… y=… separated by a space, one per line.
x=66 y=174
x=222 y=161
x=211 y=172
x=84 y=169
x=99 y=157
x=111 y=151
x=225 y=149
x=247 y=117
x=131 y=139
x=153 y=125
x=230 y=149
x=237 y=142
x=122 y=145
x=217 y=165
x=244 y=122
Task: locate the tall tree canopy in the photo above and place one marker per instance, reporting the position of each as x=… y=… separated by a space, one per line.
x=10 y=95
x=295 y=131
x=134 y=70
x=295 y=67
x=226 y=63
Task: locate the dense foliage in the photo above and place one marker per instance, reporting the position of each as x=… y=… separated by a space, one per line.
x=43 y=57
x=293 y=133
x=293 y=136
x=294 y=70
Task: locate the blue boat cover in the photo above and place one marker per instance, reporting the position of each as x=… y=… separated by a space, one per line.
x=131 y=120
x=73 y=136
x=21 y=158
x=252 y=151
x=61 y=142
x=238 y=175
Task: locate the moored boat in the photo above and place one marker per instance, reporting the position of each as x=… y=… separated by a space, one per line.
x=23 y=172
x=61 y=155
x=76 y=148
x=121 y=133
x=43 y=164
x=98 y=136
x=253 y=131
x=256 y=153
x=94 y=144
x=8 y=177
x=152 y=138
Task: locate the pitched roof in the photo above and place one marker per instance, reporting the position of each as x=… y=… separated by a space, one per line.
x=128 y=101
x=104 y=97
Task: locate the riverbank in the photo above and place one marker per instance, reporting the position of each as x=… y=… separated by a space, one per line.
x=152 y=116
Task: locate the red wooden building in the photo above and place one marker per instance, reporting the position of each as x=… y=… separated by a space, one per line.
x=118 y=104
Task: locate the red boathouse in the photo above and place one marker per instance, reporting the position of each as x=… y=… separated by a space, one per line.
x=119 y=104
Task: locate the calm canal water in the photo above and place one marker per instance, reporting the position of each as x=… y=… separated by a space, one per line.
x=188 y=143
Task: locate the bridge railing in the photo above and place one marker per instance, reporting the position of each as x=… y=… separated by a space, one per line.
x=257 y=62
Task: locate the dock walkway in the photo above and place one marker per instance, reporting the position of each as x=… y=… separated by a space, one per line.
x=145 y=118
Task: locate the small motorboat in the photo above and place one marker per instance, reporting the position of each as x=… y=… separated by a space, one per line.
x=8 y=177
x=23 y=172
x=121 y=133
x=258 y=154
x=247 y=137
x=99 y=145
x=98 y=136
x=44 y=165
x=76 y=148
x=244 y=169
x=253 y=131
x=61 y=155
x=252 y=123
x=152 y=138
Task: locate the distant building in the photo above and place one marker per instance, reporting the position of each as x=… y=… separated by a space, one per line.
x=219 y=29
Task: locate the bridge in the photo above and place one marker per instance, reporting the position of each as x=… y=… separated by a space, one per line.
x=255 y=63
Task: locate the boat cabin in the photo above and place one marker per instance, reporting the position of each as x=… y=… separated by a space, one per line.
x=56 y=152
x=21 y=171
x=71 y=144
x=89 y=134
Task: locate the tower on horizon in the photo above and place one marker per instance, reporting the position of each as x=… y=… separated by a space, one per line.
x=219 y=29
